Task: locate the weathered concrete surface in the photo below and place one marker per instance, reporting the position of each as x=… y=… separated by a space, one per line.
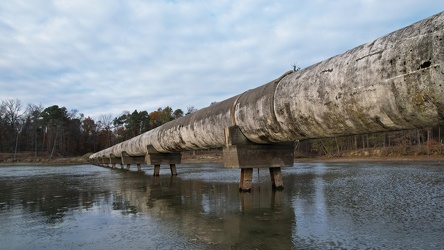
x=395 y=82
x=239 y=152
x=153 y=157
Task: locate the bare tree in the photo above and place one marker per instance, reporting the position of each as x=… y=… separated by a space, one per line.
x=33 y=112
x=2 y=110
x=12 y=111
x=105 y=122
x=3 y=131
x=14 y=119
x=190 y=110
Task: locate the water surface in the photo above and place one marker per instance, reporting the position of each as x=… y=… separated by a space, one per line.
x=323 y=205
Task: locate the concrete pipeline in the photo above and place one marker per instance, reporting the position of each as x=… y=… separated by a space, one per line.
x=395 y=82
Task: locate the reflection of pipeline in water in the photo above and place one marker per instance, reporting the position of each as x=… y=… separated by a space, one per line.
x=213 y=213
x=392 y=83
x=260 y=198
x=161 y=182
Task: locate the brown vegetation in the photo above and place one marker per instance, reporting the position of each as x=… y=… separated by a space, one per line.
x=29 y=158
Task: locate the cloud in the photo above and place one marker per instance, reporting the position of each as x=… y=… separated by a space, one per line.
x=108 y=56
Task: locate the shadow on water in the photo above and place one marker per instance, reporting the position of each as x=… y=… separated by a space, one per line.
x=337 y=205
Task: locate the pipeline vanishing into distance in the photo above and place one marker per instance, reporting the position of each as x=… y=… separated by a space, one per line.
x=395 y=82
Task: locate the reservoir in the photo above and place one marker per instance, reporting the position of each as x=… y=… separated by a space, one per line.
x=374 y=205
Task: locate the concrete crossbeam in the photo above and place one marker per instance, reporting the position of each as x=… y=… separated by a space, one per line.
x=246 y=155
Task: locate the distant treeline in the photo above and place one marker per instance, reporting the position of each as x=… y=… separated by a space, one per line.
x=405 y=142
x=58 y=131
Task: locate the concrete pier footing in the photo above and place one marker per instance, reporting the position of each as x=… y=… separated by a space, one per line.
x=276 y=178
x=155 y=158
x=156 y=170
x=173 y=169
x=240 y=152
x=246 y=179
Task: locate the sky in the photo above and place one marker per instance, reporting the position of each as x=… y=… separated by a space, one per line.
x=104 y=57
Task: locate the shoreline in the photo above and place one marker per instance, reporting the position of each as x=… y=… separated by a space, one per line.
x=202 y=158
x=405 y=158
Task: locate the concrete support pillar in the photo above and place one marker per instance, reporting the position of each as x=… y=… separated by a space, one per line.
x=105 y=162
x=155 y=158
x=156 y=170
x=246 y=179
x=139 y=167
x=121 y=166
x=276 y=178
x=173 y=169
x=242 y=153
x=113 y=161
x=127 y=160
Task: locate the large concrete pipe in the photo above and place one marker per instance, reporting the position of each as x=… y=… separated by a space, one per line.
x=395 y=82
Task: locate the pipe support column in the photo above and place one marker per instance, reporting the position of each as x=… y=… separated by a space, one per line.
x=156 y=170
x=240 y=152
x=276 y=178
x=246 y=180
x=153 y=157
x=173 y=169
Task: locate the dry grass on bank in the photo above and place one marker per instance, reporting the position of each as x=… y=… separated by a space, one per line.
x=30 y=158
